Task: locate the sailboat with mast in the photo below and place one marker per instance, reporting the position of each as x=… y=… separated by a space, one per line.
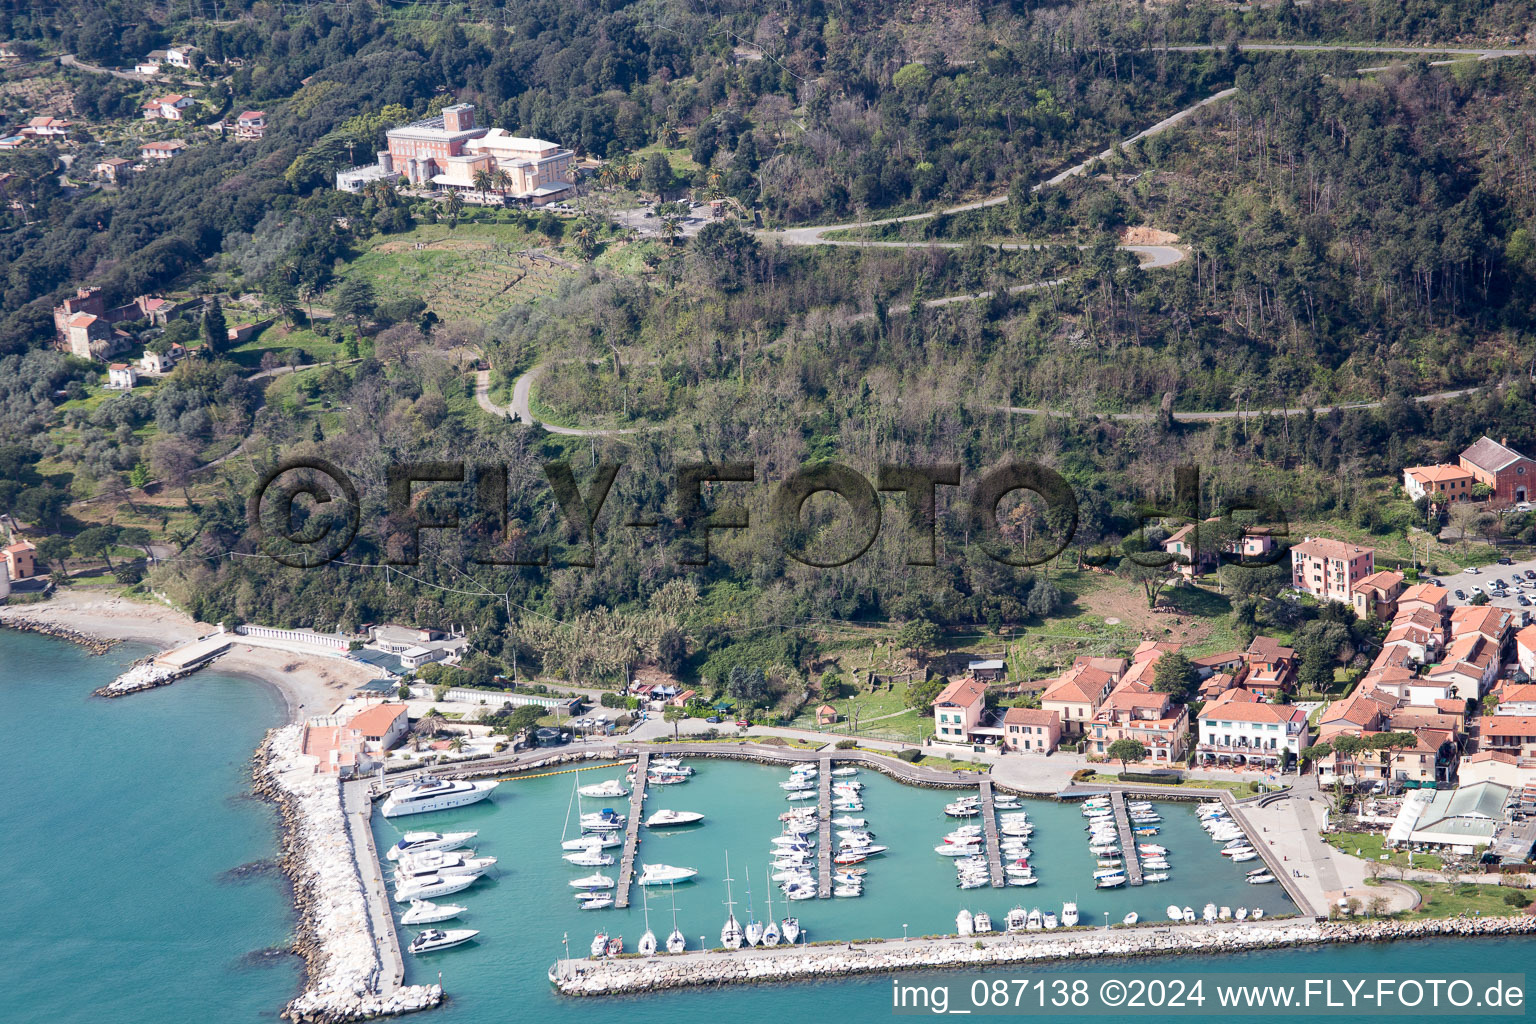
x=676 y=942
x=771 y=929
x=754 y=930
x=731 y=935
x=647 y=945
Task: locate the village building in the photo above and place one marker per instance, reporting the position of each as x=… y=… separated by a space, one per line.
x=1329 y=569
x=150 y=65
x=1076 y=695
x=1463 y=818
x=1511 y=475
x=957 y=710
x=1151 y=718
x=1375 y=596
x=46 y=127
x=1031 y=730
x=114 y=169
x=166 y=108
x=1442 y=478
x=1271 y=667
x=122 y=376
x=20 y=560
x=251 y=124
x=180 y=56
x=161 y=150
x=82 y=323
x=448 y=150
x=1241 y=733
x=381 y=726
x=988 y=671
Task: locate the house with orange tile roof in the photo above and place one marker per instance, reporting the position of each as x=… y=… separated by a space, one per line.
x=1515 y=698
x=1469 y=667
x=1152 y=718
x=1490 y=621
x=1423 y=597
x=1525 y=651
x=1076 y=695
x=1031 y=730
x=1216 y=686
x=20 y=560
x=381 y=726
x=1329 y=569
x=1234 y=695
x=1271 y=667
x=1360 y=712
x=957 y=710
x=1497 y=766
x=1453 y=481
x=1376 y=595
x=1420 y=632
x=1236 y=732
x=1512 y=734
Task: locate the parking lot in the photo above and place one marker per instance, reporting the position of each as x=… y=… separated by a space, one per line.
x=1518 y=586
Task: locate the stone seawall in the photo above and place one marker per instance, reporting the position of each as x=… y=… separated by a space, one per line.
x=143 y=675
x=632 y=975
x=344 y=976
x=22 y=624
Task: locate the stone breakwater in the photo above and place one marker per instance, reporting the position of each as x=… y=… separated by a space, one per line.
x=94 y=644
x=344 y=974
x=144 y=674
x=636 y=975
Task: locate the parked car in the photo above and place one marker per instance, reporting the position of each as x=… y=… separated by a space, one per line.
x=742 y=723
x=1461 y=595
x=1506 y=560
x=1522 y=599
x=1499 y=584
x=1474 y=570
x=713 y=719
x=1477 y=590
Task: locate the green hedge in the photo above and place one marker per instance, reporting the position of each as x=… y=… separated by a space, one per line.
x=1165 y=780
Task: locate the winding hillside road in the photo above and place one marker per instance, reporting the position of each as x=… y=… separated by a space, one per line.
x=1152 y=257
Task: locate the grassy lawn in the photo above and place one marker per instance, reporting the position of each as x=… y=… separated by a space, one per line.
x=281 y=340
x=472 y=271
x=1370 y=846
x=1445 y=899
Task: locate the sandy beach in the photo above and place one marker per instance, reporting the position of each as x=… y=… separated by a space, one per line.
x=309 y=685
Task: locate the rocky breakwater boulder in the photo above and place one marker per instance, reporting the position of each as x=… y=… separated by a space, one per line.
x=632 y=975
x=94 y=644
x=143 y=675
x=1390 y=931
x=344 y=972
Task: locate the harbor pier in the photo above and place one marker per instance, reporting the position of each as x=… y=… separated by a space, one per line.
x=824 y=828
x=632 y=830
x=994 y=841
x=1127 y=838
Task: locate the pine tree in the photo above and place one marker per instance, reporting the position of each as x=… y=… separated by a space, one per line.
x=215 y=328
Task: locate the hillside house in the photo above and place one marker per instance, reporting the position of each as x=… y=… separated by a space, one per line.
x=1031 y=730
x=1329 y=569
x=957 y=710
x=166 y=108
x=161 y=150
x=1453 y=481
x=1511 y=475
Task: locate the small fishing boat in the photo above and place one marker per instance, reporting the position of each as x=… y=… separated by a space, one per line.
x=1258 y=913
x=1189 y=914
x=845 y=773
x=964 y=923
x=1174 y=913
x=1209 y=914
x=1156 y=876
x=1240 y=858
x=1049 y=921
x=1130 y=918
x=595 y=901
x=610 y=788
x=1112 y=882
x=1151 y=848
x=1224 y=914
x=1240 y=914
x=593 y=841
x=1263 y=879
x=847 y=822
x=434 y=939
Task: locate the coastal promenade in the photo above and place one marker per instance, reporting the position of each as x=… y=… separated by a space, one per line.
x=632 y=831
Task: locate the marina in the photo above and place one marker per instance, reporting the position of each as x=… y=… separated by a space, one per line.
x=824 y=830
x=994 y=840
x=1127 y=838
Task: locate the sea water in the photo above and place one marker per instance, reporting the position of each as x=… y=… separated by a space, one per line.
x=124 y=819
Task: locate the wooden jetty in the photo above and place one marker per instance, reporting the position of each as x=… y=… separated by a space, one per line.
x=824 y=829
x=632 y=830
x=994 y=840
x=1127 y=838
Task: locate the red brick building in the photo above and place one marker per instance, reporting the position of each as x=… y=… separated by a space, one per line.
x=1511 y=475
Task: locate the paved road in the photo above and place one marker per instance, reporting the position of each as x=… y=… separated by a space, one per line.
x=69 y=60
x=358 y=810
x=522 y=406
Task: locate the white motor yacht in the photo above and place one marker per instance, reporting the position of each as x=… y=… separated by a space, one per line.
x=606 y=820
x=1035 y=921
x=664 y=818
x=610 y=788
x=597 y=881
x=593 y=841
x=419 y=842
x=595 y=901
x=589 y=859
x=1174 y=913
x=1069 y=914
x=429 y=794
x=442 y=862
x=964 y=923
x=664 y=874
x=428 y=887
x=1017 y=919
x=1049 y=921
x=427 y=912
x=434 y=939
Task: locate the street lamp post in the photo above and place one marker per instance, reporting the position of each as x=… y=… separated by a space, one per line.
x=903 y=931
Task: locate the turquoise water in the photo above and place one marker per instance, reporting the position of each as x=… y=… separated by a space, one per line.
x=120 y=818
x=123 y=815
